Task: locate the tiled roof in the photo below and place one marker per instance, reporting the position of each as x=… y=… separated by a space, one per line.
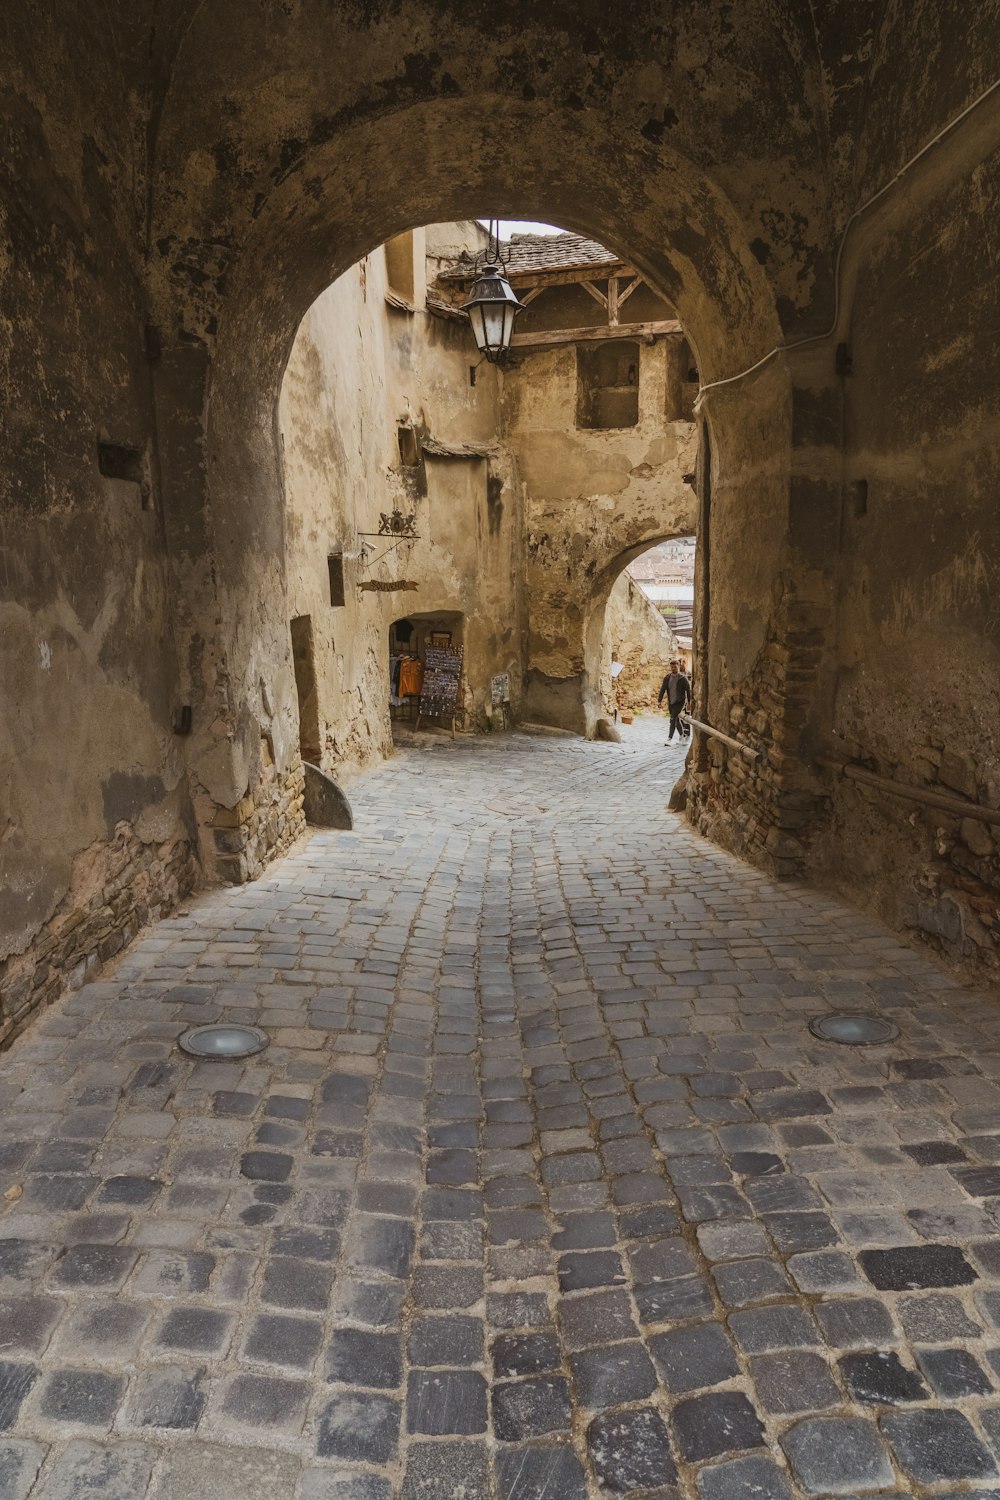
x=542 y=252
x=663 y=561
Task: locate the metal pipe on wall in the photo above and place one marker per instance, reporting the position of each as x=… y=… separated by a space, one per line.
x=959 y=806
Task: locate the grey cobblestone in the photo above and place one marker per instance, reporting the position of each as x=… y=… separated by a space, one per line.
x=542 y=1188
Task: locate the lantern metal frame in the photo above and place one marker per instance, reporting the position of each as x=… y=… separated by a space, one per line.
x=491 y=290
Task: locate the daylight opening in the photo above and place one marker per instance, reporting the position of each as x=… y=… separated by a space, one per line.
x=453 y=527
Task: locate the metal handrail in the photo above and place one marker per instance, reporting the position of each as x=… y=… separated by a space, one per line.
x=960 y=806
x=727 y=739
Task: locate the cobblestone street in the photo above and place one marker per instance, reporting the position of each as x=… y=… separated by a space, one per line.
x=542 y=1190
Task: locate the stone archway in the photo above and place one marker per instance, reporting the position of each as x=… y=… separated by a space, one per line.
x=596 y=637
x=320 y=215
x=209 y=169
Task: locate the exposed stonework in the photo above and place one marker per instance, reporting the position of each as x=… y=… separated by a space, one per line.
x=261 y=826
x=117 y=888
x=769 y=807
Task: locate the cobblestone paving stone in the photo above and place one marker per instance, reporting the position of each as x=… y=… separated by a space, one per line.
x=542 y=1190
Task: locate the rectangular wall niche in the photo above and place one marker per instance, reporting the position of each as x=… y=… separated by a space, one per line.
x=304 y=662
x=682 y=382
x=123 y=461
x=409 y=446
x=607 y=384
x=399 y=265
x=335 y=564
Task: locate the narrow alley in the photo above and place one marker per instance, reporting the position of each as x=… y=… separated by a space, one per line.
x=542 y=1189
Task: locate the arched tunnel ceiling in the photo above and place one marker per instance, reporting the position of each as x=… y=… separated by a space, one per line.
x=295 y=140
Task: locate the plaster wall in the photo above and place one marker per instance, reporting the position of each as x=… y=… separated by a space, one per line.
x=637 y=635
x=360 y=368
x=593 y=500
x=495 y=456
x=95 y=819
x=915 y=694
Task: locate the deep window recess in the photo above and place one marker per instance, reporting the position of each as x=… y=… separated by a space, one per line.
x=409 y=446
x=399 y=265
x=304 y=662
x=607 y=384
x=682 y=382
x=335 y=563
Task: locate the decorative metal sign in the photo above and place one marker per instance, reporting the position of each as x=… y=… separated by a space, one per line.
x=395 y=523
x=398 y=524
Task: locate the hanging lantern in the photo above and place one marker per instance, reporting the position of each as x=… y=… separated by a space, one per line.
x=492 y=305
x=492 y=309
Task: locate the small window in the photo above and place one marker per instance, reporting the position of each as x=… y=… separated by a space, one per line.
x=409 y=447
x=608 y=385
x=335 y=563
x=399 y=265
x=682 y=382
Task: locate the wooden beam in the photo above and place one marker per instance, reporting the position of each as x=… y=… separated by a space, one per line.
x=552 y=277
x=531 y=294
x=626 y=294
x=599 y=297
x=567 y=277
x=545 y=338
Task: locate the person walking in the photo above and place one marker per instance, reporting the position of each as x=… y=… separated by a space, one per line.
x=677 y=690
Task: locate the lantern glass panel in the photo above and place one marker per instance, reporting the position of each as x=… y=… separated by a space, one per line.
x=478 y=327
x=494 y=320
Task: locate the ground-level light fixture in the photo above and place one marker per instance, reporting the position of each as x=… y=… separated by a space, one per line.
x=223 y=1042
x=854 y=1029
x=492 y=305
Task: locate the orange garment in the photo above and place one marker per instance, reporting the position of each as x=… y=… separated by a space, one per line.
x=411 y=677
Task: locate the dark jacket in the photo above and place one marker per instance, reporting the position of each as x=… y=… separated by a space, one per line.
x=676 y=688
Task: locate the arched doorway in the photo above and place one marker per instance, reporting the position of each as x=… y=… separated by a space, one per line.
x=647 y=626
x=348 y=186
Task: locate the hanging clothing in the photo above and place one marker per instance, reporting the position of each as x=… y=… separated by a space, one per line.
x=411 y=677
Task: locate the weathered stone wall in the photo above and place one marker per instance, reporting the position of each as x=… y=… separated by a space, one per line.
x=915 y=690
x=343 y=403
x=593 y=500
x=179 y=188
x=95 y=821
x=500 y=458
x=636 y=634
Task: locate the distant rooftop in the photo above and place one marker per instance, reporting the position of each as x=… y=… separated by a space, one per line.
x=667 y=560
x=542 y=252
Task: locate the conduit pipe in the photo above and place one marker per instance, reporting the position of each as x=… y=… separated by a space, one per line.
x=958 y=806
x=727 y=739
x=819 y=338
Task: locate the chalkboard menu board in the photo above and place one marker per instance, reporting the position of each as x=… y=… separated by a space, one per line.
x=442 y=674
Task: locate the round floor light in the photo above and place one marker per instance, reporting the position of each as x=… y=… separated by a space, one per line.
x=223 y=1042
x=854 y=1029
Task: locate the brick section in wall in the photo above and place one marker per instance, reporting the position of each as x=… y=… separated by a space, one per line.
x=265 y=823
x=128 y=885
x=766 y=810
x=955 y=898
